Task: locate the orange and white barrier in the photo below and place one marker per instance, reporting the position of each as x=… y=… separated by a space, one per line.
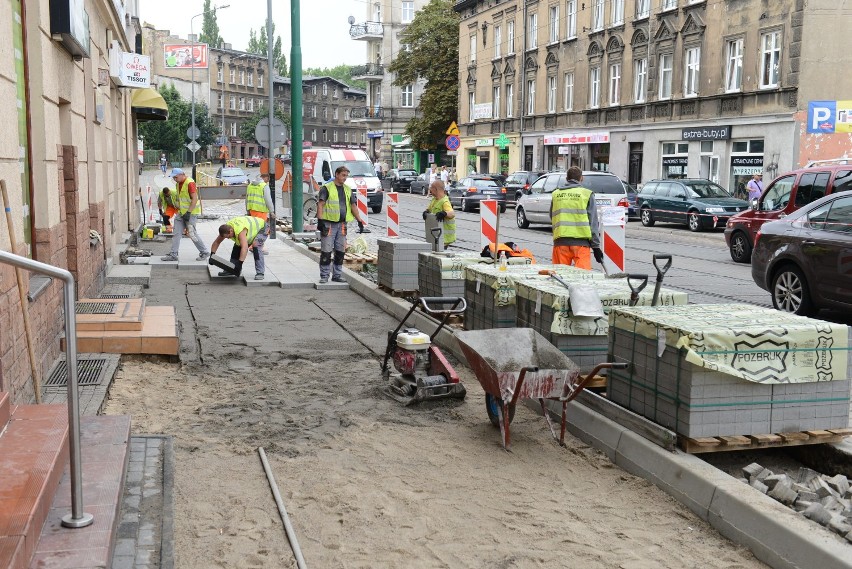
x=613 y=220
x=362 y=204
x=392 y=214
x=489 y=223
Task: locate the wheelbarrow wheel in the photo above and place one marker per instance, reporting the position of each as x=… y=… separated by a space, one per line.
x=492 y=404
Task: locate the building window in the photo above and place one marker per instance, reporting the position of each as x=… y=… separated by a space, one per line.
x=407 y=100
x=324 y=135
x=404 y=47
x=345 y=136
x=334 y=113
x=251 y=79
x=495 y=102
x=233 y=74
x=551 y=94
x=471 y=102
x=346 y=115
x=325 y=113
x=220 y=74
x=313 y=89
x=325 y=89
x=234 y=128
x=617 y=12
x=666 y=62
x=668 y=4
x=571 y=19
x=242 y=103
x=510 y=37
x=734 y=67
x=598 y=15
x=334 y=93
x=334 y=136
x=643 y=8
x=314 y=135
x=640 y=79
x=594 y=87
x=221 y=101
x=569 y=91
x=473 y=48
x=251 y=105
x=532 y=32
x=242 y=77
x=675 y=160
x=377 y=13
x=260 y=81
x=554 y=24
x=614 y=83
x=407 y=11
x=232 y=103
x=363 y=138
x=510 y=96
x=690 y=80
x=498 y=41
x=770 y=59
x=531 y=97
x=313 y=111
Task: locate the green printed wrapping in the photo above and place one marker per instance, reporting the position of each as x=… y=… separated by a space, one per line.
x=504 y=282
x=453 y=264
x=749 y=342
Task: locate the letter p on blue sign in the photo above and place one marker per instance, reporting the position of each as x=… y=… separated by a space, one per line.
x=821 y=116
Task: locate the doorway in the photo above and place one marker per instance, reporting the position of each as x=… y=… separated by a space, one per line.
x=528 y=158
x=634 y=168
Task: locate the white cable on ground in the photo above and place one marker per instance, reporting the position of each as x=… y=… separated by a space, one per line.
x=288 y=527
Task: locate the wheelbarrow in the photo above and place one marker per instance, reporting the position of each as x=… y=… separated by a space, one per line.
x=519 y=363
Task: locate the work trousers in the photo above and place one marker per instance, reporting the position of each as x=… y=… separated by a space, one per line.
x=179 y=226
x=577 y=255
x=333 y=243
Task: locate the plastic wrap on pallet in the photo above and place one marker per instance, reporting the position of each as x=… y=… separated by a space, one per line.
x=503 y=282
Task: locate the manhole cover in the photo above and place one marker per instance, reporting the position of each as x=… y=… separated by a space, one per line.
x=89 y=372
x=95 y=308
x=115 y=296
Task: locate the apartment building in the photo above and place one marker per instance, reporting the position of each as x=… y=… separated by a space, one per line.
x=651 y=88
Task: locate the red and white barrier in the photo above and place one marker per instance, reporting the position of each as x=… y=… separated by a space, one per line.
x=151 y=217
x=392 y=214
x=613 y=220
x=362 y=204
x=489 y=223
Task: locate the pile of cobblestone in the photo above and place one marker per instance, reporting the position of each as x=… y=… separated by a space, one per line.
x=824 y=499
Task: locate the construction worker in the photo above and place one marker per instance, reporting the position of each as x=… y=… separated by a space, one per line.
x=336 y=206
x=166 y=205
x=243 y=231
x=442 y=208
x=188 y=208
x=573 y=214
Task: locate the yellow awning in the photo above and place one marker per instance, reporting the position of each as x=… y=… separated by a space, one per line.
x=149 y=105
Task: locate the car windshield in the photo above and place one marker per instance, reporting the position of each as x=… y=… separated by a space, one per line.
x=233 y=172
x=356 y=168
x=407 y=173
x=484 y=184
x=602 y=184
x=517 y=178
x=706 y=190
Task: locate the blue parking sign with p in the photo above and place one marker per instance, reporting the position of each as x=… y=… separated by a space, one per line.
x=821 y=116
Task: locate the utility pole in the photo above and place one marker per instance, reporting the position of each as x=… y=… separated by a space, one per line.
x=296 y=114
x=270 y=158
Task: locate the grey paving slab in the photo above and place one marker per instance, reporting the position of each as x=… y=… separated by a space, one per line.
x=332 y=286
x=269 y=279
x=129 y=274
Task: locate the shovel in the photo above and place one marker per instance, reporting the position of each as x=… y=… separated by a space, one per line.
x=661 y=272
x=637 y=288
x=436 y=236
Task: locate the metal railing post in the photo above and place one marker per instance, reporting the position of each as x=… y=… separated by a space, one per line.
x=77 y=518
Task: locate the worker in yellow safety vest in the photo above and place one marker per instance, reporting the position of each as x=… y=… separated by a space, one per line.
x=188 y=208
x=336 y=206
x=573 y=214
x=243 y=231
x=442 y=208
x=259 y=204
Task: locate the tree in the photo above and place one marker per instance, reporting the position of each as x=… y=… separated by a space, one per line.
x=170 y=136
x=258 y=44
x=210 y=27
x=250 y=124
x=340 y=72
x=434 y=56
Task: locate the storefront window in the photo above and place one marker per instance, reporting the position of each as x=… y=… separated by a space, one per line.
x=471 y=162
x=746 y=160
x=600 y=157
x=675 y=159
x=504 y=160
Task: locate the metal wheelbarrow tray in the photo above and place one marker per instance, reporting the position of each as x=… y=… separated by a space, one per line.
x=513 y=363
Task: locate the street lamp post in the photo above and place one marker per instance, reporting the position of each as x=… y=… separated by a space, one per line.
x=192 y=80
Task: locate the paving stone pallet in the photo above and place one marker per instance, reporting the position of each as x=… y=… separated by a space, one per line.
x=397 y=263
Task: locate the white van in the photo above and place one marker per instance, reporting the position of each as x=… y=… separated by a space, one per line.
x=319 y=164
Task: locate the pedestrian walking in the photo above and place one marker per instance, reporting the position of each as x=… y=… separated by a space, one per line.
x=755 y=186
x=167 y=206
x=224 y=154
x=188 y=208
x=378 y=168
x=243 y=231
x=574 y=217
x=445 y=175
x=259 y=204
x=163 y=163
x=442 y=208
x=336 y=206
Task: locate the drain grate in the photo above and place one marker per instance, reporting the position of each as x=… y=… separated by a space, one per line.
x=95 y=308
x=89 y=372
x=114 y=296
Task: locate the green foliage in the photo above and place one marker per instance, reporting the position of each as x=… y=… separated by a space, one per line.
x=210 y=27
x=258 y=44
x=434 y=39
x=170 y=135
x=339 y=72
x=250 y=124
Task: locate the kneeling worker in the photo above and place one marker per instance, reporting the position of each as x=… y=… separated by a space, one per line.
x=442 y=208
x=167 y=206
x=242 y=231
x=336 y=206
x=574 y=217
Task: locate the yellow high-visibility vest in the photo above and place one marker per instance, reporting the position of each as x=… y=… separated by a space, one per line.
x=449 y=224
x=331 y=211
x=569 y=213
x=253 y=224
x=184 y=199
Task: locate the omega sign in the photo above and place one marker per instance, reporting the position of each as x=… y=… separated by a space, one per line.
x=130 y=69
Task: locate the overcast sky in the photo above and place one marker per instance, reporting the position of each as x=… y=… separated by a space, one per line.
x=325 y=31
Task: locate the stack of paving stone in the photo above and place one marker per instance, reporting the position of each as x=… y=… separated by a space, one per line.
x=397 y=263
x=442 y=274
x=726 y=370
x=545 y=306
x=827 y=500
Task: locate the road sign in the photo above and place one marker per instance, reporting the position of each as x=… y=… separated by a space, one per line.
x=193 y=146
x=279 y=133
x=279 y=168
x=453 y=142
x=454 y=129
x=502 y=141
x=192 y=132
x=430 y=158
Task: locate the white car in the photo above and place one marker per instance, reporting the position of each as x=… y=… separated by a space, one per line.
x=534 y=207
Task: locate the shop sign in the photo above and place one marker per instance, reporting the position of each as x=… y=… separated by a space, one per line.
x=828 y=117
x=375 y=133
x=706 y=133
x=746 y=165
x=675 y=161
x=502 y=141
x=129 y=69
x=567 y=150
x=482 y=111
x=577 y=138
x=484 y=142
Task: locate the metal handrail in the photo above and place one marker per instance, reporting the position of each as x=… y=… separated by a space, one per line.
x=77 y=518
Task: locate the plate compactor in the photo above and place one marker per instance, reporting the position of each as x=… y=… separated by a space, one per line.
x=424 y=372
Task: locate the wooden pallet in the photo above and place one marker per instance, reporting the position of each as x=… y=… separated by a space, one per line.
x=752 y=442
x=356 y=261
x=398 y=293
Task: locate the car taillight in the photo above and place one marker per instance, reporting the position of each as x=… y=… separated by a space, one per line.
x=757 y=238
x=623 y=202
x=526 y=186
x=471 y=190
x=503 y=190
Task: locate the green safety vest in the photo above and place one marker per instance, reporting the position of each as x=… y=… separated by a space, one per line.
x=253 y=224
x=254 y=198
x=184 y=199
x=449 y=224
x=166 y=201
x=331 y=211
x=569 y=215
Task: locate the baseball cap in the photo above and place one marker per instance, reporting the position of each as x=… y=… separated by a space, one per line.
x=176 y=172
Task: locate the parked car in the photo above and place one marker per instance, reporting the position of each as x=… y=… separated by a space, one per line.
x=286 y=158
x=401 y=179
x=804 y=259
x=231 y=176
x=534 y=207
x=782 y=197
x=699 y=204
x=468 y=192
x=519 y=183
x=420 y=185
x=254 y=161
x=632 y=210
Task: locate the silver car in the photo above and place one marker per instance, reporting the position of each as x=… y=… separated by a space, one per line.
x=534 y=207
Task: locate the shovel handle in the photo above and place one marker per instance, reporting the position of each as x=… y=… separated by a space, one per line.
x=636 y=289
x=661 y=271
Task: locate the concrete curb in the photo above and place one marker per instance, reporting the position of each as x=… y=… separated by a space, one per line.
x=775 y=534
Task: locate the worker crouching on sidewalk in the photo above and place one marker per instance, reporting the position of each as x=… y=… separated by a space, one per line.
x=167 y=206
x=259 y=204
x=242 y=231
x=336 y=206
x=442 y=208
x=574 y=217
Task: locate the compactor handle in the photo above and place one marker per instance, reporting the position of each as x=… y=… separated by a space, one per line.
x=458 y=302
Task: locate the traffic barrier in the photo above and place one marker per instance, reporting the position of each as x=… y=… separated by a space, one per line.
x=151 y=218
x=613 y=219
x=489 y=223
x=362 y=204
x=393 y=214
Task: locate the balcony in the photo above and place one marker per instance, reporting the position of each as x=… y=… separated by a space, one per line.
x=369 y=114
x=367 y=72
x=367 y=31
